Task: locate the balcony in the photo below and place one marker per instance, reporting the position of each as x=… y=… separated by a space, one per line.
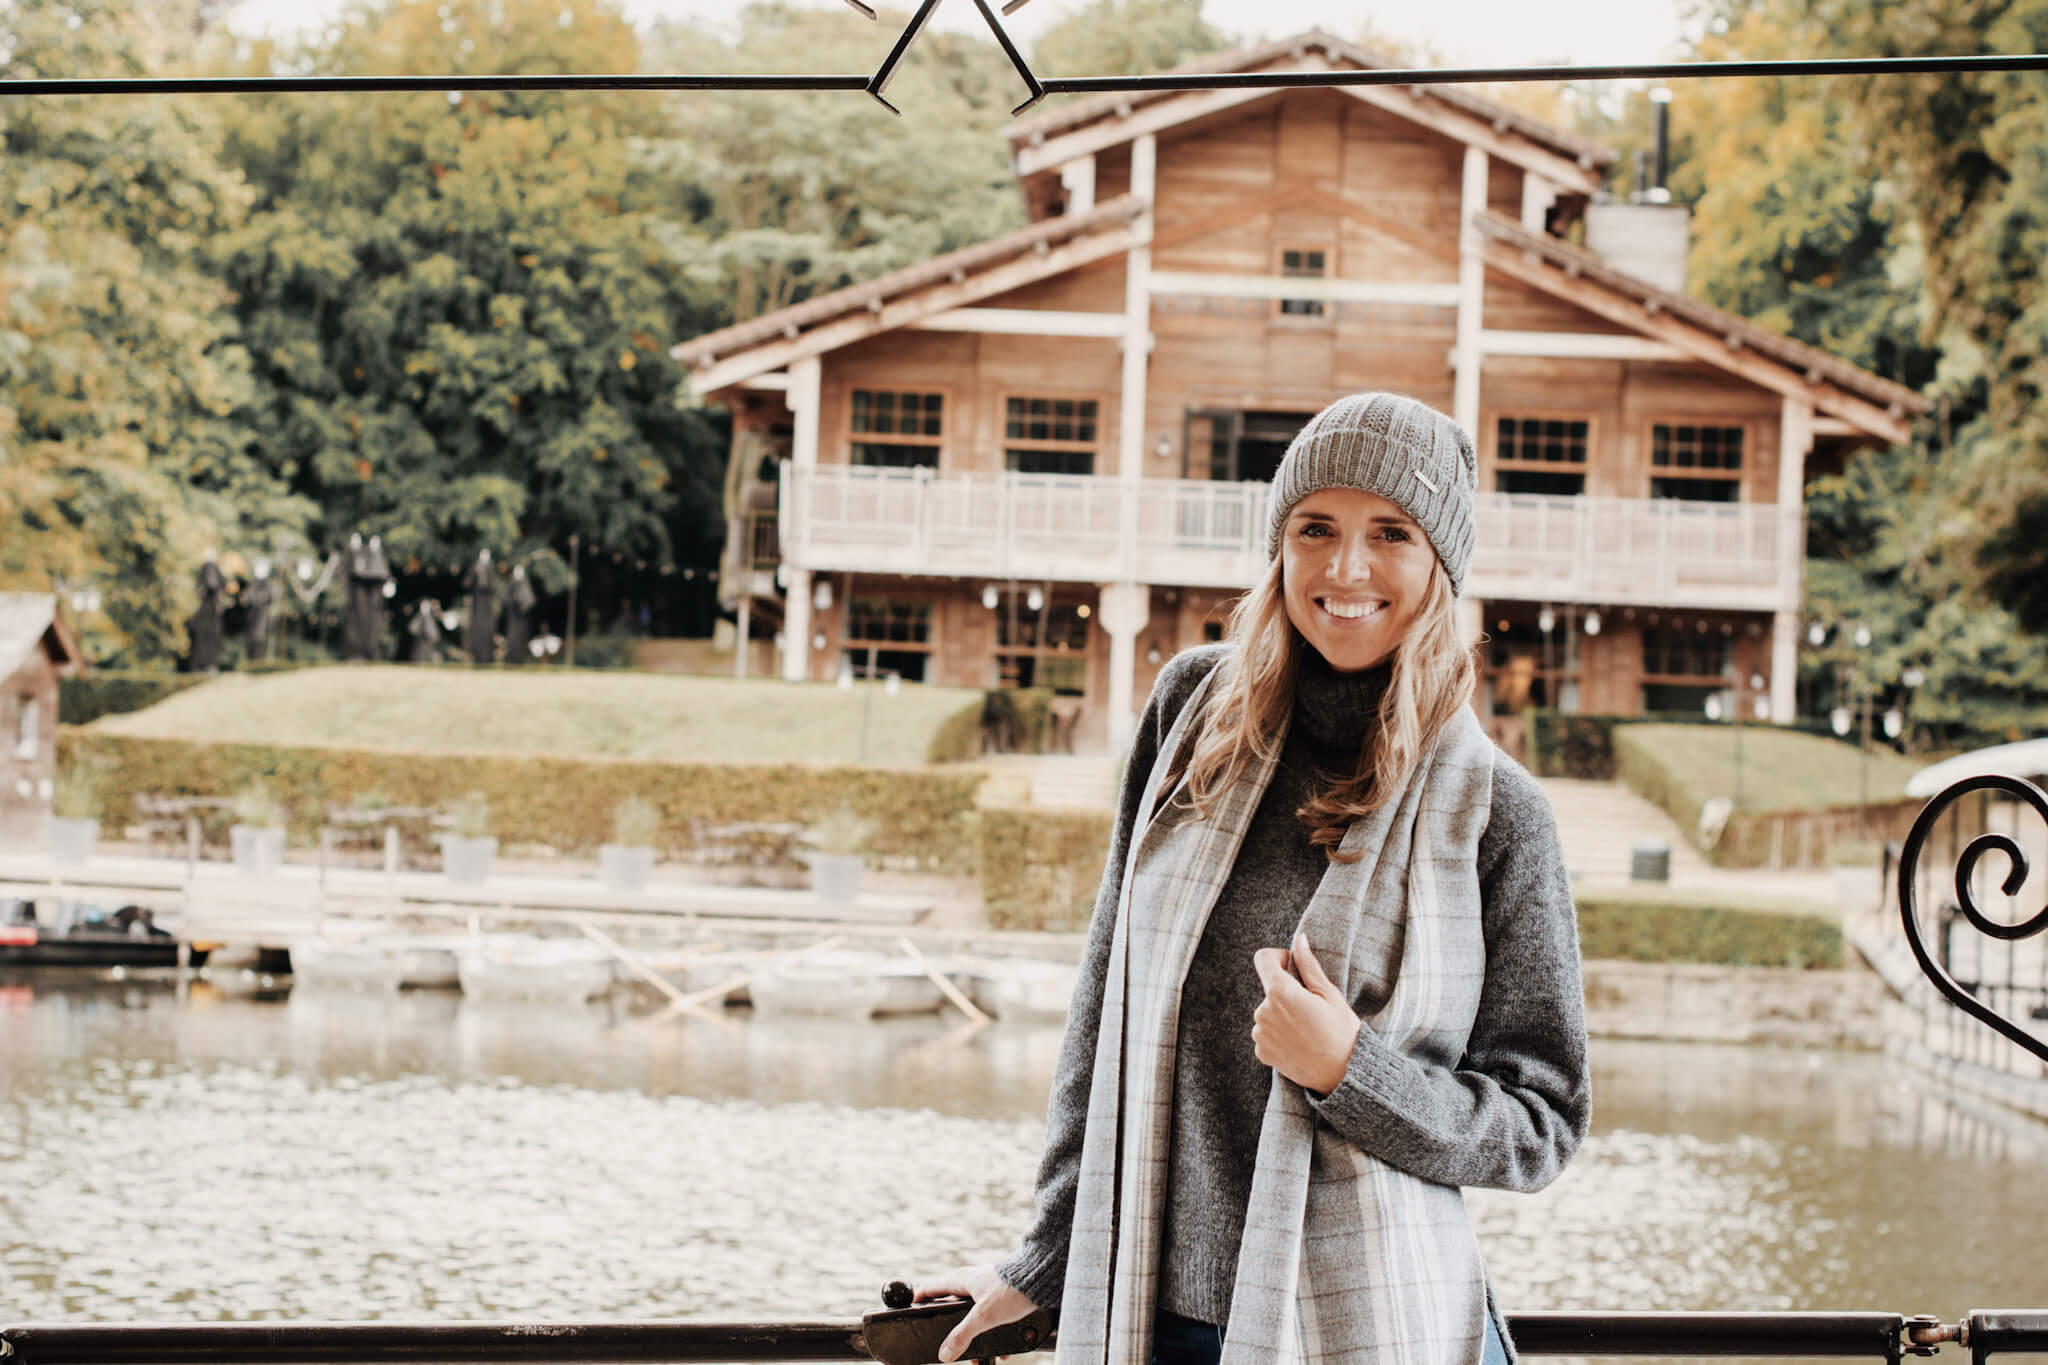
x=1197 y=533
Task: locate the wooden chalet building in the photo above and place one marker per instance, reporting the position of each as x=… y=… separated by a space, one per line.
x=1042 y=459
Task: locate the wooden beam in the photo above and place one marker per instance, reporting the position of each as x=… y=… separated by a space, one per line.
x=1034 y=322
x=909 y=308
x=769 y=383
x=1516 y=151
x=1437 y=245
x=1577 y=346
x=1275 y=287
x=1092 y=138
x=1507 y=261
x=1471 y=289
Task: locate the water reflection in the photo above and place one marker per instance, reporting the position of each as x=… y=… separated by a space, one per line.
x=214 y=1155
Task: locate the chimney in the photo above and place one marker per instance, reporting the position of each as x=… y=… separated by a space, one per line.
x=1649 y=236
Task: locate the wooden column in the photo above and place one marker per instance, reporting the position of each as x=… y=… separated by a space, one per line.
x=1130 y=455
x=806 y=380
x=1077 y=177
x=1795 y=440
x=1471 y=292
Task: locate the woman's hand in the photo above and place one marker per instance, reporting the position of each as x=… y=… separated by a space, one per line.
x=1304 y=1029
x=995 y=1303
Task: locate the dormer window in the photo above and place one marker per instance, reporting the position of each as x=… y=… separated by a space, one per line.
x=1303 y=263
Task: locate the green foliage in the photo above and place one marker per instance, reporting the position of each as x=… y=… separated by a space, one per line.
x=1040 y=869
x=1126 y=38
x=922 y=816
x=78 y=793
x=460 y=309
x=256 y=807
x=122 y=449
x=790 y=195
x=471 y=813
x=840 y=832
x=1582 y=746
x=636 y=823
x=110 y=692
x=1644 y=926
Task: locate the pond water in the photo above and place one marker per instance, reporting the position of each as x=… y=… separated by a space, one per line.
x=204 y=1155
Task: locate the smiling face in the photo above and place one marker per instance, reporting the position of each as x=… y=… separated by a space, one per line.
x=1354 y=570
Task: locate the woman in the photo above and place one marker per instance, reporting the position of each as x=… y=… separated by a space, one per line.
x=1333 y=970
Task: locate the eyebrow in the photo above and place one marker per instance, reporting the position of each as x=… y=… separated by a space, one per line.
x=1375 y=521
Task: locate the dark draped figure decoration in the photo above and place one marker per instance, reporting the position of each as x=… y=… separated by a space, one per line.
x=205 y=622
x=425 y=629
x=363 y=622
x=479 y=631
x=519 y=605
x=256 y=599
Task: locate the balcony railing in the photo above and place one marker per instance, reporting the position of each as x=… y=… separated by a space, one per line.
x=1197 y=533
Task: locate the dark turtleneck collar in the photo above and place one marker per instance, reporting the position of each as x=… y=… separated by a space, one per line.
x=1334 y=710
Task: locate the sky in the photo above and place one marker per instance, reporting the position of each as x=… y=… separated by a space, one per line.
x=1467 y=32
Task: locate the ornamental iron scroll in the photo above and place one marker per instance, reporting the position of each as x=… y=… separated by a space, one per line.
x=2027 y=794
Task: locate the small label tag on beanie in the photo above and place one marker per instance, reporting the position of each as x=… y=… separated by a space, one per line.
x=1417 y=472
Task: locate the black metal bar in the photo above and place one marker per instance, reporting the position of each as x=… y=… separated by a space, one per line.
x=1016 y=58
x=886 y=72
x=1489 y=75
x=459 y=1343
x=2016 y=876
x=390 y=85
x=1252 y=80
x=2003 y=1331
x=1874 y=1336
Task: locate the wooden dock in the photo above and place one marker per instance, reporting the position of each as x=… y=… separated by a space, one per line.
x=220 y=902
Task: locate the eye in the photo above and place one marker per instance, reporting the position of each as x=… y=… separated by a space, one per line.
x=1398 y=534
x=1314 y=528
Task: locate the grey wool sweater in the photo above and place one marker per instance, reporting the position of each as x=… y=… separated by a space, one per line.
x=1509 y=1116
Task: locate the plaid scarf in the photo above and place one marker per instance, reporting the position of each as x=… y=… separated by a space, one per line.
x=1345 y=1260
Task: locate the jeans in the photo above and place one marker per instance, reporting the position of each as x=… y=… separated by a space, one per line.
x=1183 y=1341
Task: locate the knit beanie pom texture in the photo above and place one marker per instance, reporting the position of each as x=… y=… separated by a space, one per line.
x=1405 y=451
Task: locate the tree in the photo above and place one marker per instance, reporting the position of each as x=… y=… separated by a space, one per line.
x=1126 y=38
x=460 y=308
x=123 y=453
x=790 y=195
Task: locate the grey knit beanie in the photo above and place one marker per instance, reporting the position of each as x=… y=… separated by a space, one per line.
x=1405 y=451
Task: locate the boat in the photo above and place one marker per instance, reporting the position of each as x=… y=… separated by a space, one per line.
x=62 y=933
x=846 y=985
x=1023 y=989
x=529 y=967
x=379 y=961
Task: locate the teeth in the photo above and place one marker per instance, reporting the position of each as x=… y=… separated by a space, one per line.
x=1351 y=611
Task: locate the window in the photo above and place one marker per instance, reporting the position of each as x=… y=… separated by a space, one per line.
x=1684 y=652
x=1697 y=462
x=1043 y=648
x=1050 y=435
x=911 y=425
x=1536 y=454
x=1302 y=263
x=882 y=620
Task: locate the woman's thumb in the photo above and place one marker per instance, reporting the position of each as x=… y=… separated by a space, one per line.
x=1311 y=968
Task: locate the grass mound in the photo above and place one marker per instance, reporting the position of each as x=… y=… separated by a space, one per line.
x=1782 y=770
x=564 y=713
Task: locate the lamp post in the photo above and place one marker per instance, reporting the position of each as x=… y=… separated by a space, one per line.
x=569 y=649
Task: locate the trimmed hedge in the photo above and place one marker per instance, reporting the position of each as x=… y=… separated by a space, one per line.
x=1645 y=927
x=81 y=701
x=1040 y=868
x=1556 y=744
x=565 y=803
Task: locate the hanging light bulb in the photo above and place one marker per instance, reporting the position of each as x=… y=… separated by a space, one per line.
x=1034 y=600
x=1893 y=723
x=1816 y=635
x=821 y=595
x=1546 y=621
x=989 y=598
x=1592 y=623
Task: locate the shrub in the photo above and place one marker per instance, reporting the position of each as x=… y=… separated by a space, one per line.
x=472 y=815
x=77 y=794
x=840 y=833
x=1643 y=926
x=1040 y=869
x=925 y=816
x=635 y=823
x=81 y=701
x=256 y=807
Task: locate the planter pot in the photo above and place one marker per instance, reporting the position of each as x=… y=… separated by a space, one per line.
x=468 y=860
x=836 y=877
x=71 y=840
x=256 y=849
x=626 y=867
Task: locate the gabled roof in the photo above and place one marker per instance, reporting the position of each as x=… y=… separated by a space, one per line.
x=727 y=356
x=1706 y=333
x=29 y=621
x=1038 y=128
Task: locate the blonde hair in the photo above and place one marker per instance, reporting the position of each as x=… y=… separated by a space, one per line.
x=1433 y=675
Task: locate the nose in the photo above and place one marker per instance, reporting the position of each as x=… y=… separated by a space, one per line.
x=1353 y=560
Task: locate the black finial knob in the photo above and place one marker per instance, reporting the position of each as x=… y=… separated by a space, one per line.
x=896 y=1294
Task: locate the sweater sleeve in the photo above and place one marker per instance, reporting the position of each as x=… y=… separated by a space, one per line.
x=1037 y=1269
x=1510 y=1114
